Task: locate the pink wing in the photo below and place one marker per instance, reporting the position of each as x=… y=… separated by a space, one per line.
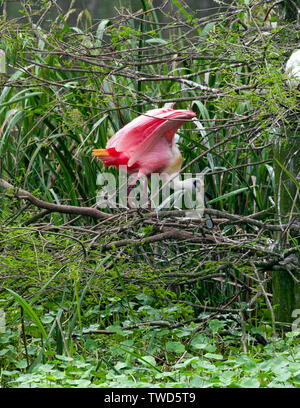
x=141 y=134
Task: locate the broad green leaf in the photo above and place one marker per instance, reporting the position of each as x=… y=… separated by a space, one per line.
x=214 y=356
x=250 y=383
x=175 y=347
x=216 y=324
x=29 y=310
x=149 y=360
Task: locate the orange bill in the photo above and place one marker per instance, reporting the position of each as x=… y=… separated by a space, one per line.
x=100 y=152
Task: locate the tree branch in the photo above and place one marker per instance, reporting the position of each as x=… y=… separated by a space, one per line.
x=66 y=209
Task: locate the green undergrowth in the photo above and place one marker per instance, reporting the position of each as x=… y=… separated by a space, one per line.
x=153 y=358
x=74 y=323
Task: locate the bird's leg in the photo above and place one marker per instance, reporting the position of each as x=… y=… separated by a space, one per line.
x=145 y=195
x=145 y=189
x=130 y=187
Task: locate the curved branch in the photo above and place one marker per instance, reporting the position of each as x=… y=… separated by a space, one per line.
x=66 y=209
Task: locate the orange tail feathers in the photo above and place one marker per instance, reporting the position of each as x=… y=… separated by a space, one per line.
x=110 y=157
x=100 y=152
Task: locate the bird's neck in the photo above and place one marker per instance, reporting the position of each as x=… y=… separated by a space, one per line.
x=175 y=163
x=178 y=184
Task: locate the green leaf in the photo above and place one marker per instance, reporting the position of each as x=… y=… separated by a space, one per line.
x=214 y=356
x=100 y=31
x=15 y=100
x=250 y=383
x=200 y=342
x=288 y=173
x=181 y=9
x=120 y=365
x=156 y=41
x=116 y=329
x=2 y=62
x=175 y=347
x=29 y=310
x=66 y=25
x=196 y=382
x=294 y=333
x=21 y=364
x=187 y=362
x=228 y=195
x=216 y=324
x=148 y=360
x=226 y=377
x=206 y=30
x=203 y=111
x=95 y=126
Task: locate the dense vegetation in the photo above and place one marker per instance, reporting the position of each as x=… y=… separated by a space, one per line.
x=126 y=297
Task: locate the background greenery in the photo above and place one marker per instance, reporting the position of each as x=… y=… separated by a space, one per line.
x=108 y=303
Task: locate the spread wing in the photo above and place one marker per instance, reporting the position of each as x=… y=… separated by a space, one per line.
x=139 y=136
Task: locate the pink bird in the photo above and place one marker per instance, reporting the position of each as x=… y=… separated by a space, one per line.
x=146 y=145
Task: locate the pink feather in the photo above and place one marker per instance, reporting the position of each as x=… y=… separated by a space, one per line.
x=146 y=144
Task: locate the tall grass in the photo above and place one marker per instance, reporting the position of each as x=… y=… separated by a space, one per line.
x=69 y=89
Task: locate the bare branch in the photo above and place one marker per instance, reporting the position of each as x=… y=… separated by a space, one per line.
x=65 y=209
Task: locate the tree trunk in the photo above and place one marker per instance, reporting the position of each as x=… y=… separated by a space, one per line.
x=286 y=290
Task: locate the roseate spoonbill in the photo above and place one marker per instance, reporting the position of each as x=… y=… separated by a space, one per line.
x=292 y=69
x=146 y=145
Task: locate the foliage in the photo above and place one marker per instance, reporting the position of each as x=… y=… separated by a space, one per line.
x=115 y=302
x=63 y=97
x=124 y=333
x=112 y=347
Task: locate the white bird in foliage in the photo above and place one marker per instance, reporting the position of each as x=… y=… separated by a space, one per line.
x=292 y=69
